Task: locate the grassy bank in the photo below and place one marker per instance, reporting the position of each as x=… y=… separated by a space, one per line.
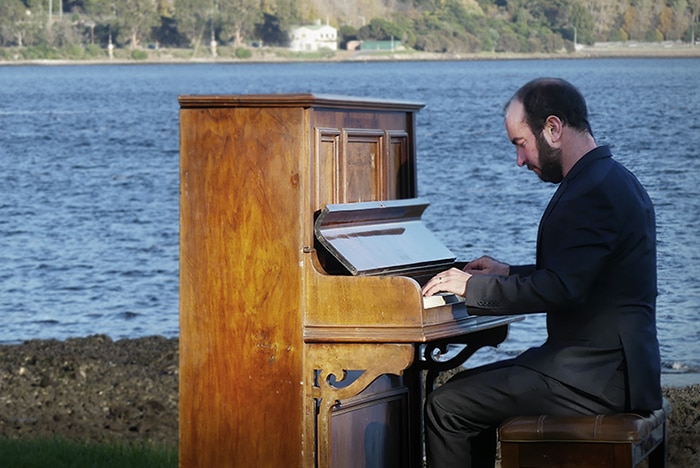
x=59 y=453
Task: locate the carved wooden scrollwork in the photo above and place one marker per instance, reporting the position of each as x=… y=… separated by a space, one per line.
x=436 y=356
x=339 y=371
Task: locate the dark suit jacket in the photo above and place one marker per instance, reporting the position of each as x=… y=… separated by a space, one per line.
x=595 y=277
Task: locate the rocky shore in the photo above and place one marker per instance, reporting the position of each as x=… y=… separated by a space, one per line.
x=97 y=389
x=91 y=389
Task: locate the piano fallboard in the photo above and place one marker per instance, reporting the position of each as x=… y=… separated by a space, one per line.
x=377 y=333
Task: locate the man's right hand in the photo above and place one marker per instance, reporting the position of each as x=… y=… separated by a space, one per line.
x=487 y=266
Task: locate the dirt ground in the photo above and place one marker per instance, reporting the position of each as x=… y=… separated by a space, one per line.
x=91 y=389
x=97 y=389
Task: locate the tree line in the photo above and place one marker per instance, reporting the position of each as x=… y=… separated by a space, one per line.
x=428 y=25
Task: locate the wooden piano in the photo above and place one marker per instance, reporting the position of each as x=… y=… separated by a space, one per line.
x=304 y=338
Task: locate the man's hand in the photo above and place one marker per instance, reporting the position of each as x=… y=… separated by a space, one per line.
x=488 y=266
x=453 y=281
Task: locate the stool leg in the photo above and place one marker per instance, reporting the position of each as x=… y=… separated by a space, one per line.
x=510 y=455
x=657 y=457
x=623 y=455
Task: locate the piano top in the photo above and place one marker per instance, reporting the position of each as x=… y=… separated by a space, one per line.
x=296 y=100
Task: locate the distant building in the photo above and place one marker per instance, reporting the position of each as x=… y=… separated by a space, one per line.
x=314 y=37
x=353 y=45
x=381 y=45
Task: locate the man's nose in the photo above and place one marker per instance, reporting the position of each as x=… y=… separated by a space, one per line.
x=520 y=158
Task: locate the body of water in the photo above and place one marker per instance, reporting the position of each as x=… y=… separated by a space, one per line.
x=90 y=192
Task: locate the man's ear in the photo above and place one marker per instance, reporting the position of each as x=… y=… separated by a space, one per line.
x=553 y=128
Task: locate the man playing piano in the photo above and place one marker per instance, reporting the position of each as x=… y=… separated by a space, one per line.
x=594 y=276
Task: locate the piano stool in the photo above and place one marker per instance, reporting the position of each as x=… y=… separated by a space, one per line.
x=619 y=440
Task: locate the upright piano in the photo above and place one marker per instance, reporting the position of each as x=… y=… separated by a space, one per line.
x=304 y=337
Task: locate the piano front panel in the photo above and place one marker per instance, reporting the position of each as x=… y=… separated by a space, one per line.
x=363 y=166
x=400 y=167
x=326 y=165
x=361 y=156
x=372 y=430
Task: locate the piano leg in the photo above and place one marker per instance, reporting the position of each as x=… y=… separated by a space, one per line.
x=431 y=361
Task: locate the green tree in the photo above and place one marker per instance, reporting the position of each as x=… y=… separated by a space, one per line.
x=135 y=18
x=680 y=19
x=193 y=17
x=15 y=20
x=694 y=28
x=508 y=41
x=285 y=12
x=270 y=31
x=347 y=33
x=642 y=26
x=606 y=18
x=580 y=18
x=238 y=19
x=99 y=17
x=380 y=29
x=100 y=10
x=665 y=25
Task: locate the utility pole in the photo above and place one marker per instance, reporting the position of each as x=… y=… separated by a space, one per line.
x=60 y=10
x=693 y=16
x=575 y=34
x=212 y=43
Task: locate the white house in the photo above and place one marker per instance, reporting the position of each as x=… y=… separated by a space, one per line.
x=314 y=37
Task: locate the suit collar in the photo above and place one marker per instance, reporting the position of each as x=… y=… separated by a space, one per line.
x=586 y=160
x=601 y=152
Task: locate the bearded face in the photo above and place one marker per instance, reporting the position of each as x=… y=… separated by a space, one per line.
x=549 y=160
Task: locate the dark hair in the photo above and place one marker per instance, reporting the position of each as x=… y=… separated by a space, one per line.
x=543 y=97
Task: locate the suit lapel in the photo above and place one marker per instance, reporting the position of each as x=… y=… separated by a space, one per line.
x=586 y=160
x=545 y=216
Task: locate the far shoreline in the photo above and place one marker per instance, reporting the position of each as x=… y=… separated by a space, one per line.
x=264 y=56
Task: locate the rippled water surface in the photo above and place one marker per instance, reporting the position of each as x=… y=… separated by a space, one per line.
x=89 y=169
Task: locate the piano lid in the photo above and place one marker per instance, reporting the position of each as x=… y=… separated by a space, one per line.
x=372 y=238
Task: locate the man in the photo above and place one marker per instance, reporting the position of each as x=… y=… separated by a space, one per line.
x=594 y=276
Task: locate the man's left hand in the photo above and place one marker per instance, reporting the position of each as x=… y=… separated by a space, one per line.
x=453 y=281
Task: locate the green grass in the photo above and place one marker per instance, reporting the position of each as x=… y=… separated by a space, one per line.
x=58 y=453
